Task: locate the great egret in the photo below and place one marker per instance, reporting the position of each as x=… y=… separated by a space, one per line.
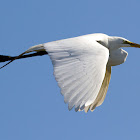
x=82 y=66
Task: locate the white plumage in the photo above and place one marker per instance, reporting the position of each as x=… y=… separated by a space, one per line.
x=82 y=66
x=79 y=68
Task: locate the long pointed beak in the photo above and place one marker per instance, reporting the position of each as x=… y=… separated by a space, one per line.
x=134 y=45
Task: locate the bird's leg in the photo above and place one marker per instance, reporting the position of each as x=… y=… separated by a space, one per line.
x=4 y=58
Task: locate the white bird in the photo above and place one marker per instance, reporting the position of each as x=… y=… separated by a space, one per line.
x=82 y=66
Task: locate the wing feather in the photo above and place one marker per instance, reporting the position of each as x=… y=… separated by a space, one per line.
x=102 y=93
x=79 y=68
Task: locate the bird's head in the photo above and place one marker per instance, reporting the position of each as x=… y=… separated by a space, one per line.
x=118 y=42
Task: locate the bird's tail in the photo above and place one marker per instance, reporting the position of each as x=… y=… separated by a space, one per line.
x=38 y=49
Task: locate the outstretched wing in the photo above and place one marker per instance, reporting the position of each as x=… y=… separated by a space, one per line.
x=103 y=90
x=79 y=68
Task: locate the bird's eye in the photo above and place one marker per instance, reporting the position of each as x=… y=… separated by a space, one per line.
x=125 y=42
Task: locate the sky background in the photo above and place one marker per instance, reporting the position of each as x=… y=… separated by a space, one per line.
x=31 y=106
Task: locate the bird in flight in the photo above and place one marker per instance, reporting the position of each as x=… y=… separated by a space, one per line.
x=82 y=66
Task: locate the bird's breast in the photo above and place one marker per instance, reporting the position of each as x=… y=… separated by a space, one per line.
x=117 y=57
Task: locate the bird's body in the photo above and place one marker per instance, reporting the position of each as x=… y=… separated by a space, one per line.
x=82 y=66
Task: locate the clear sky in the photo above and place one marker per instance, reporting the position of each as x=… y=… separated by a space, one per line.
x=31 y=106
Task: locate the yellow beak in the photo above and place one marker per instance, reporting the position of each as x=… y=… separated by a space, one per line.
x=134 y=45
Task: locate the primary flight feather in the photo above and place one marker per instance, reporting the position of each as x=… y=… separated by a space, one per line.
x=82 y=66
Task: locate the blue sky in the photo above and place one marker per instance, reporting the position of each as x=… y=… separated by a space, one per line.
x=31 y=106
